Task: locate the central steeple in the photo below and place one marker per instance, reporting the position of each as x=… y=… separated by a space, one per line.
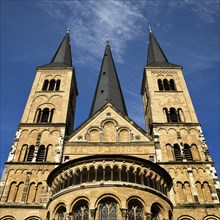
x=108 y=89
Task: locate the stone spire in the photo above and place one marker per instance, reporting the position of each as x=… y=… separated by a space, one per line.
x=108 y=89
x=156 y=56
x=62 y=57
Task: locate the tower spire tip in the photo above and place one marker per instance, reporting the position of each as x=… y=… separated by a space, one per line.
x=107 y=40
x=68 y=30
x=150 y=29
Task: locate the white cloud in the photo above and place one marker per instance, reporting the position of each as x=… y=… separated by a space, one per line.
x=92 y=21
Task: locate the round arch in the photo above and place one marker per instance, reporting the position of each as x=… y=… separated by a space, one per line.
x=185 y=217
x=8 y=217
x=211 y=217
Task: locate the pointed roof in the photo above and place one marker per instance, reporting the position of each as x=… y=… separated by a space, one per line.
x=156 y=56
x=62 y=57
x=108 y=88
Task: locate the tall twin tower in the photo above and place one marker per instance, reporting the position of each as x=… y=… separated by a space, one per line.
x=109 y=168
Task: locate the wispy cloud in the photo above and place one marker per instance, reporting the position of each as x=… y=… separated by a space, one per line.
x=206 y=10
x=92 y=21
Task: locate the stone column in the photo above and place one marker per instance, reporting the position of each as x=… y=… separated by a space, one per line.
x=92 y=213
x=124 y=213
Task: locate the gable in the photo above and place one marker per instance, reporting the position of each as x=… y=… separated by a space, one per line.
x=109 y=126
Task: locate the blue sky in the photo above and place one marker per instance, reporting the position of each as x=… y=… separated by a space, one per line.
x=188 y=32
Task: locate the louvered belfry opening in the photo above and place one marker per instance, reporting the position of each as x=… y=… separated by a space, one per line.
x=177 y=152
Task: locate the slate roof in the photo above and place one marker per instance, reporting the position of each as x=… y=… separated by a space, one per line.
x=156 y=56
x=62 y=57
x=108 y=88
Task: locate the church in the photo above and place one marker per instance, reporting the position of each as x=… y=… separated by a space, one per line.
x=109 y=168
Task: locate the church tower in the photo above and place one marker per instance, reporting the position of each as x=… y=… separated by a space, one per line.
x=109 y=168
x=179 y=142
x=38 y=144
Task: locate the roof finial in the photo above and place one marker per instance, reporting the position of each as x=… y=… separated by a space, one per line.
x=150 y=29
x=68 y=30
x=107 y=39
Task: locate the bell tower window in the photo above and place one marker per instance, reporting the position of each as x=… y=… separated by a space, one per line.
x=57 y=88
x=45 y=85
x=160 y=84
x=177 y=152
x=45 y=115
x=187 y=153
x=30 y=153
x=172 y=85
x=173 y=115
x=51 y=85
x=166 y=85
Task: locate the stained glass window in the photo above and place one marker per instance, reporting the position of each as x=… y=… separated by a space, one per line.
x=108 y=211
x=81 y=212
x=135 y=212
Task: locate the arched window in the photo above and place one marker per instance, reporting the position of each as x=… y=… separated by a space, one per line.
x=91 y=174
x=155 y=211
x=57 y=88
x=100 y=173
x=37 y=115
x=115 y=173
x=108 y=173
x=173 y=115
x=160 y=84
x=135 y=210
x=41 y=153
x=166 y=85
x=23 y=152
x=60 y=213
x=131 y=175
x=172 y=85
x=45 y=85
x=45 y=115
x=30 y=153
x=81 y=211
x=51 y=115
x=177 y=152
x=180 y=115
x=167 y=114
x=187 y=152
x=108 y=210
x=52 y=85
x=84 y=174
x=124 y=174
